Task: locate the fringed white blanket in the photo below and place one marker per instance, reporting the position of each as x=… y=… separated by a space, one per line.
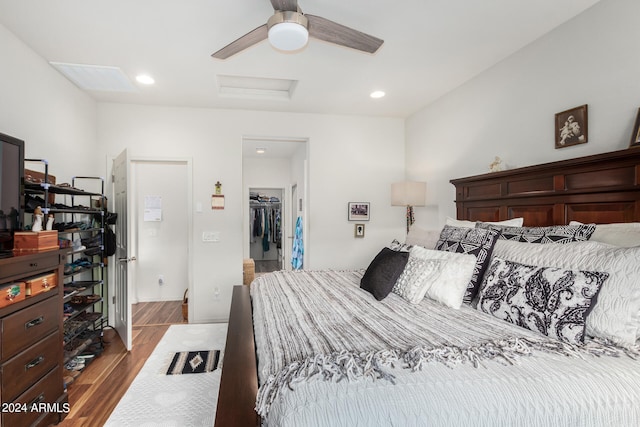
x=319 y=324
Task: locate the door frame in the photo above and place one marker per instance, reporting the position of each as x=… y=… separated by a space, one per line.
x=134 y=227
x=110 y=188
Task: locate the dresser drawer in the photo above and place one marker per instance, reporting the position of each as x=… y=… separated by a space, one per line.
x=42 y=283
x=17 y=266
x=29 y=366
x=47 y=390
x=28 y=326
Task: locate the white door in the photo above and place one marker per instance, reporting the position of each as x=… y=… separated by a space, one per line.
x=122 y=309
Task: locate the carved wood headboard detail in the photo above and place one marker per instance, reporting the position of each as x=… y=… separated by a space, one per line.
x=602 y=188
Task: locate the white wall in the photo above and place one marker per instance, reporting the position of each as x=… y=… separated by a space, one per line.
x=56 y=120
x=162 y=247
x=508 y=111
x=351 y=159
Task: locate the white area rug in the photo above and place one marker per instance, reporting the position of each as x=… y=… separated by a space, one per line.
x=157 y=399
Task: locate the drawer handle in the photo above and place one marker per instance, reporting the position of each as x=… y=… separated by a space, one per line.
x=33 y=264
x=34 y=322
x=35 y=362
x=36 y=401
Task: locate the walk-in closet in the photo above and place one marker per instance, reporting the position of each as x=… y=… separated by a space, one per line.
x=266 y=222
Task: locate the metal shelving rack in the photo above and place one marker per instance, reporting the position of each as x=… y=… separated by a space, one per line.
x=85 y=293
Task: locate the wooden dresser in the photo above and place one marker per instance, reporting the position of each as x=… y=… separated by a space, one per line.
x=31 y=352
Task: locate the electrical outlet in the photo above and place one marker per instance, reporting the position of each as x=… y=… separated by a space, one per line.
x=161 y=279
x=216 y=293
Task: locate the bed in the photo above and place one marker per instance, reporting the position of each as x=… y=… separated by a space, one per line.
x=520 y=379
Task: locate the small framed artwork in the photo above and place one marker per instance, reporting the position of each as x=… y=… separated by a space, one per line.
x=217 y=201
x=635 y=135
x=359 y=230
x=571 y=127
x=358 y=211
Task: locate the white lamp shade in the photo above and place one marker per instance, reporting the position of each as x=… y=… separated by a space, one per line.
x=408 y=193
x=288 y=36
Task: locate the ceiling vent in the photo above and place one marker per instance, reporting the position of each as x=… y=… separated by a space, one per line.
x=255 y=87
x=96 y=77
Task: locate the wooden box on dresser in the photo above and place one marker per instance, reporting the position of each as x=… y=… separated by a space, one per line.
x=32 y=391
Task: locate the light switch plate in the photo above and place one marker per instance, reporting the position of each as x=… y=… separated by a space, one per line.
x=210 y=236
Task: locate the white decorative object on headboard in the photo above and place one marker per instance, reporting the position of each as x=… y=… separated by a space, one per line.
x=496 y=165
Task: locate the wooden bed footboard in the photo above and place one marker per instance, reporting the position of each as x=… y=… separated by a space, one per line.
x=239 y=381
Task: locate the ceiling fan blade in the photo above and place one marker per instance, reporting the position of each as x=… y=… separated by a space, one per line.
x=242 y=43
x=333 y=32
x=285 y=5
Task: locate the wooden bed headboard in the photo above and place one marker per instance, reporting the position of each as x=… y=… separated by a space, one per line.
x=602 y=188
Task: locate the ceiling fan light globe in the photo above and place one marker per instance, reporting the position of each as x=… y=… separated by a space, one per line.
x=288 y=36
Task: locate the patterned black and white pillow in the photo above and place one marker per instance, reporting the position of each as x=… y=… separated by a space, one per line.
x=399 y=246
x=551 y=234
x=549 y=300
x=475 y=241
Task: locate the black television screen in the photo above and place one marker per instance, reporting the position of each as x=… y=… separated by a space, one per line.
x=11 y=188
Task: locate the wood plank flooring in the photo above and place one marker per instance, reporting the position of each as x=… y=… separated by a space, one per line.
x=97 y=391
x=157 y=313
x=267 y=266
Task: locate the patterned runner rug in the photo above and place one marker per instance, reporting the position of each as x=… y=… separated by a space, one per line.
x=194 y=362
x=157 y=399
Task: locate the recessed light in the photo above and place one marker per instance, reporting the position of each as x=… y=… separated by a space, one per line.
x=145 y=79
x=261 y=150
x=377 y=94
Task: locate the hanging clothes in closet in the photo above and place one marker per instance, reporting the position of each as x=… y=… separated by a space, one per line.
x=266 y=224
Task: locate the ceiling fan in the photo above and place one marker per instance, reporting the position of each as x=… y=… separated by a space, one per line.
x=289 y=29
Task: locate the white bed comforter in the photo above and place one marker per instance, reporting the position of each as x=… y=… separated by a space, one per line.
x=544 y=389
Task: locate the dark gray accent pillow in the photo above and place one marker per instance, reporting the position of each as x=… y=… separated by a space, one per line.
x=383 y=272
x=474 y=241
x=551 y=234
x=549 y=300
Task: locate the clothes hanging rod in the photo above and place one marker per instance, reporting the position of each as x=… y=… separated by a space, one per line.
x=255 y=203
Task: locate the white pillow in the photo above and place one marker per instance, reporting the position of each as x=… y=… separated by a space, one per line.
x=421 y=237
x=414 y=280
x=626 y=234
x=616 y=314
x=513 y=222
x=448 y=283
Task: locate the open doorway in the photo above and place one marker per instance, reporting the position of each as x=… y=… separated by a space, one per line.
x=266 y=213
x=272 y=167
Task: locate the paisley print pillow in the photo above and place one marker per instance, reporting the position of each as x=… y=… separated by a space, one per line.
x=549 y=300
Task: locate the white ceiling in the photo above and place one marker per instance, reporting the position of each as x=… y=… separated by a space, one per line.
x=431 y=47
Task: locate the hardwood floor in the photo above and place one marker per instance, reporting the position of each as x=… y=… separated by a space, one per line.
x=267 y=266
x=96 y=392
x=157 y=313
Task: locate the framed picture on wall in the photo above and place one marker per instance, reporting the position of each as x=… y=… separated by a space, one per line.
x=635 y=135
x=358 y=211
x=571 y=127
x=359 y=230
